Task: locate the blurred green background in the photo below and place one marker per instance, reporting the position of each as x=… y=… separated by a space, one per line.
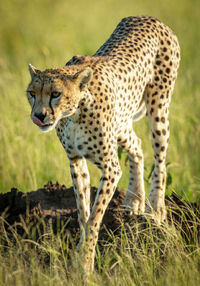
x=47 y=33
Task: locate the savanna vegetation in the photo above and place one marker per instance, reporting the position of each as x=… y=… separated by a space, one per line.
x=47 y=33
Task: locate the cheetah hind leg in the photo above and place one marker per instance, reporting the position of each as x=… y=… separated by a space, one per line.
x=159 y=123
x=135 y=196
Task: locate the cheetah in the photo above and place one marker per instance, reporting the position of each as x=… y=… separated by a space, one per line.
x=92 y=102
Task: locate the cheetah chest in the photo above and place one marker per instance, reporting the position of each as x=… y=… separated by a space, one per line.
x=78 y=141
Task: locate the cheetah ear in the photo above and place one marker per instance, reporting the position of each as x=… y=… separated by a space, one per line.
x=33 y=71
x=82 y=77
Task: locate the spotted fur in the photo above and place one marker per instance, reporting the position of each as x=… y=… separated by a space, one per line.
x=93 y=100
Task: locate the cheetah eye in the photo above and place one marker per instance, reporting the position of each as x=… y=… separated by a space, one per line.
x=32 y=94
x=55 y=94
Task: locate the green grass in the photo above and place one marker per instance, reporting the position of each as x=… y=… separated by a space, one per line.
x=151 y=256
x=47 y=33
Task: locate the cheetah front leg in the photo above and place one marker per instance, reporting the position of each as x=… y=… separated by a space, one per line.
x=81 y=183
x=111 y=174
x=135 y=196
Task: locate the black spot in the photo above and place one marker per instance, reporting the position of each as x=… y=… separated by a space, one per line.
x=158 y=132
x=158 y=63
x=166 y=58
x=80 y=147
x=84 y=175
x=104 y=178
x=101 y=192
x=87 y=156
x=74 y=176
x=113 y=180
x=151 y=111
x=163 y=119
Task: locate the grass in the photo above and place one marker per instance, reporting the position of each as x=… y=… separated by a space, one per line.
x=47 y=33
x=138 y=256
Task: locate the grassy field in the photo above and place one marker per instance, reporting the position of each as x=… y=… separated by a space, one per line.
x=149 y=257
x=47 y=33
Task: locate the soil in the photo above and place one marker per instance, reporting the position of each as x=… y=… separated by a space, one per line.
x=55 y=204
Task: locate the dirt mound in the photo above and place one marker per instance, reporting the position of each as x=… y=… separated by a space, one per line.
x=56 y=204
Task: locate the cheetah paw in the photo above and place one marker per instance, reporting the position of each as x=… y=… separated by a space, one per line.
x=158 y=214
x=135 y=206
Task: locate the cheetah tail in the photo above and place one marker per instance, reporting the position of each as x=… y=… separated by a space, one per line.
x=141 y=112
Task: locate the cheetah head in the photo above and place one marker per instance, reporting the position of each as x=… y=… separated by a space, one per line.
x=54 y=94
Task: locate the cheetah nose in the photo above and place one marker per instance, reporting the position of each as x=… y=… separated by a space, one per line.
x=38 y=119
